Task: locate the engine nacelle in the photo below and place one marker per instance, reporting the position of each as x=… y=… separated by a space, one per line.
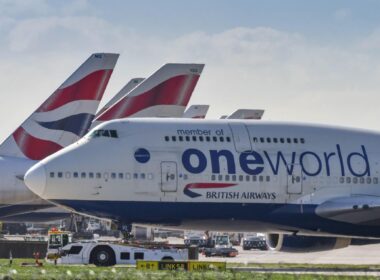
x=292 y=243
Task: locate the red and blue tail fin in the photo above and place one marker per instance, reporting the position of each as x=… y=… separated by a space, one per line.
x=66 y=115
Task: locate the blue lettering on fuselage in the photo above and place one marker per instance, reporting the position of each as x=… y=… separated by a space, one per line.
x=254 y=162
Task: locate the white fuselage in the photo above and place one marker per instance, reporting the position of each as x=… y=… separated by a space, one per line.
x=223 y=174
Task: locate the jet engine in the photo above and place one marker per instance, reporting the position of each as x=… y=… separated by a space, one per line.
x=293 y=243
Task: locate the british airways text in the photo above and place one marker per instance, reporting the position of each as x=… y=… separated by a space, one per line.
x=355 y=163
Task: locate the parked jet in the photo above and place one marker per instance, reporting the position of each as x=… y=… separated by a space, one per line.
x=171 y=85
x=61 y=120
x=223 y=175
x=196 y=112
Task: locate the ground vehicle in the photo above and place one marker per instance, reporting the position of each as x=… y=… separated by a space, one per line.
x=107 y=254
x=255 y=241
x=56 y=240
x=222 y=247
x=64 y=251
x=195 y=239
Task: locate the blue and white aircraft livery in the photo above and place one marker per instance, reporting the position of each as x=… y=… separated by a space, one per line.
x=236 y=175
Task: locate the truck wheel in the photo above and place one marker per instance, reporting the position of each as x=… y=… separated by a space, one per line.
x=103 y=256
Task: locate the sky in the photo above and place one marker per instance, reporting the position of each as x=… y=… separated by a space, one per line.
x=309 y=61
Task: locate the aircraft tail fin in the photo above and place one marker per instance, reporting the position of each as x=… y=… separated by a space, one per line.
x=127 y=88
x=196 y=112
x=66 y=115
x=165 y=93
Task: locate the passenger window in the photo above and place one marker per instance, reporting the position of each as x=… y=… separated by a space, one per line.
x=167 y=138
x=180 y=138
x=368 y=180
x=341 y=180
x=254 y=139
x=135 y=176
x=91 y=175
x=213 y=177
x=282 y=140
x=125 y=256
x=221 y=139
x=361 y=180
x=274 y=140
x=187 y=138
x=268 y=178
x=60 y=174
x=113 y=175
x=220 y=177
x=254 y=178
x=51 y=174
x=174 y=138
x=295 y=141
x=142 y=176
x=228 y=139
x=121 y=175
x=83 y=175
x=128 y=176
x=302 y=140
x=262 y=140
x=261 y=178
x=247 y=178
x=208 y=139
x=195 y=138
x=75 y=174
x=150 y=176
x=68 y=175
x=98 y=175
x=241 y=178
x=215 y=139
x=139 y=255
x=105 y=175
x=375 y=180
x=233 y=177
x=185 y=177
x=227 y=178
x=268 y=140
x=355 y=180
x=201 y=138
x=288 y=140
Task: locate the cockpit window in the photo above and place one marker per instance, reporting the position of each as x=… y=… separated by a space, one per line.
x=104 y=133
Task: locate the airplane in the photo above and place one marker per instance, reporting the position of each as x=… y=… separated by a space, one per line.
x=291 y=180
x=196 y=112
x=171 y=85
x=60 y=121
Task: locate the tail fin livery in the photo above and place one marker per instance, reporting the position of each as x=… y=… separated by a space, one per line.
x=196 y=112
x=247 y=114
x=127 y=88
x=166 y=93
x=66 y=115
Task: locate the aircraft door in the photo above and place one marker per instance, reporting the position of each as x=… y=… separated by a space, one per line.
x=295 y=179
x=169 y=176
x=240 y=137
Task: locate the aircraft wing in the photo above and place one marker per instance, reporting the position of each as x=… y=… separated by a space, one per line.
x=358 y=209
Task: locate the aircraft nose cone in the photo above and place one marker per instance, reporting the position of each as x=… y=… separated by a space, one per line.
x=35 y=179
